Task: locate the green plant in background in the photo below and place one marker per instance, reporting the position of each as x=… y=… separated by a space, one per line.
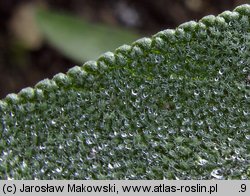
x=80 y=40
x=174 y=106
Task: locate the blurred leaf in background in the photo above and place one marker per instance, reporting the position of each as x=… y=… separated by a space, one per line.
x=79 y=39
x=23 y=26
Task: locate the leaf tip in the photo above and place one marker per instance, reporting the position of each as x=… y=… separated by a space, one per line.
x=27 y=93
x=12 y=98
x=243 y=9
x=46 y=84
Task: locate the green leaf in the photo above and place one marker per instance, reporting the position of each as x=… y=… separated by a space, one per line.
x=79 y=39
x=174 y=106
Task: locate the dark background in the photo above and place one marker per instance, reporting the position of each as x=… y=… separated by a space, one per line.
x=21 y=68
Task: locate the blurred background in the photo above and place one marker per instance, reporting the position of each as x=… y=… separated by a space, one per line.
x=39 y=38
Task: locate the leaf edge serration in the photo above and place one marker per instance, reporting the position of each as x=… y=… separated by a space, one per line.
x=78 y=75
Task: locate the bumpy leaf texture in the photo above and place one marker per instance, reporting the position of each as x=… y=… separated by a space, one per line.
x=174 y=106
